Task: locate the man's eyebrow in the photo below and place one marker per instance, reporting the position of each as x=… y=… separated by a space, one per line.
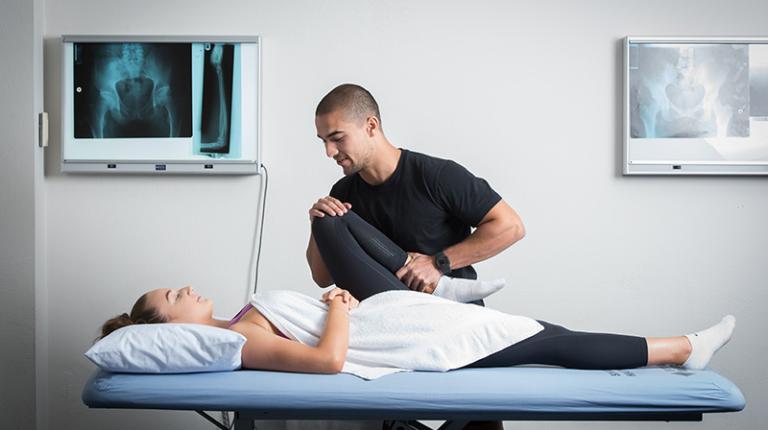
x=333 y=133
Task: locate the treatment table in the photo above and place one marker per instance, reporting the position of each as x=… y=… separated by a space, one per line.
x=504 y=394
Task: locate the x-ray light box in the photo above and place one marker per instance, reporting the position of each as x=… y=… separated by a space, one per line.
x=161 y=104
x=696 y=106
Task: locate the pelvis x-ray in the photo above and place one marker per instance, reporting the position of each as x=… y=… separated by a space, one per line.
x=132 y=90
x=689 y=90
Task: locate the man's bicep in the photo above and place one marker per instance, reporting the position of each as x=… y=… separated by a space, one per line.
x=502 y=211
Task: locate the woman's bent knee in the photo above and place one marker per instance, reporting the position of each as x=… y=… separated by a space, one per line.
x=324 y=226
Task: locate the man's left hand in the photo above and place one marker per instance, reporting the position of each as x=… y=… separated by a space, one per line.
x=420 y=274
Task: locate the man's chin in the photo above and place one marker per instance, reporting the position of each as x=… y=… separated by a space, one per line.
x=349 y=170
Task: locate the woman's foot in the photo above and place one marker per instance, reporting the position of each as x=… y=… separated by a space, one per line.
x=705 y=343
x=466 y=290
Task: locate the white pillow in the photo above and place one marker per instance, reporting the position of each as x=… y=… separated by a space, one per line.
x=168 y=348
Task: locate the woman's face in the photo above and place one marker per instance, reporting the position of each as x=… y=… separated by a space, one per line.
x=182 y=305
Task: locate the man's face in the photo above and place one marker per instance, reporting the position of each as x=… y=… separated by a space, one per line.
x=346 y=140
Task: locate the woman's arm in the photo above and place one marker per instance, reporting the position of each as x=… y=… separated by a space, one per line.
x=267 y=351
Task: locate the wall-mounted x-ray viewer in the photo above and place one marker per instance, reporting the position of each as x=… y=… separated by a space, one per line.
x=695 y=106
x=162 y=104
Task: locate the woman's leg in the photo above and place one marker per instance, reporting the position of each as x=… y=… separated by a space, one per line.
x=363 y=260
x=556 y=345
x=668 y=350
x=559 y=346
x=360 y=258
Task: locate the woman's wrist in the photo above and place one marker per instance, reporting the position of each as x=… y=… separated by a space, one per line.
x=338 y=301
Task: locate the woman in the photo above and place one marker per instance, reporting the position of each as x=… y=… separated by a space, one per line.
x=363 y=260
x=268 y=348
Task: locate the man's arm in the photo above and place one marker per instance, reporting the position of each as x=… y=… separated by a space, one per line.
x=316 y=265
x=498 y=230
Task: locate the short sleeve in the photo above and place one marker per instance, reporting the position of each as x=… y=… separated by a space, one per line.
x=463 y=194
x=340 y=190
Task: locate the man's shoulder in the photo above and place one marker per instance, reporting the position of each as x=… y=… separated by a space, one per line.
x=426 y=163
x=434 y=169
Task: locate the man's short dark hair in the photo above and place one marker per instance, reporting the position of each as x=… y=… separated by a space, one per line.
x=355 y=100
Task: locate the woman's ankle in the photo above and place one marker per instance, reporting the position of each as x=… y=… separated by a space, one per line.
x=685 y=351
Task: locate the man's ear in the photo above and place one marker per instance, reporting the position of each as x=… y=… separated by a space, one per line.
x=372 y=123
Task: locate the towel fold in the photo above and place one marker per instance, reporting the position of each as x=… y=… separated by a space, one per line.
x=397 y=331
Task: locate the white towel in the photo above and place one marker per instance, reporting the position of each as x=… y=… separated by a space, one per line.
x=397 y=331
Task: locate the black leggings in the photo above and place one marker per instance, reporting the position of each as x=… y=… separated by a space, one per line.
x=363 y=261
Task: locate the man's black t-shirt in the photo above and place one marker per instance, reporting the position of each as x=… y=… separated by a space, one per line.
x=427 y=205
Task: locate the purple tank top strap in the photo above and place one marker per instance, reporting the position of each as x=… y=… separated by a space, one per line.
x=240 y=314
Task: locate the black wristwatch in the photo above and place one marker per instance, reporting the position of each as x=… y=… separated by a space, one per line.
x=443 y=263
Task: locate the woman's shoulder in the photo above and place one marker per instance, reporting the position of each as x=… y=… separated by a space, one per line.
x=253 y=325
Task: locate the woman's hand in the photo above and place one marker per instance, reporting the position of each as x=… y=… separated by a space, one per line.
x=343 y=295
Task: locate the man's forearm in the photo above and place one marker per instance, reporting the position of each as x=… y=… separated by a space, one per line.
x=487 y=240
x=320 y=273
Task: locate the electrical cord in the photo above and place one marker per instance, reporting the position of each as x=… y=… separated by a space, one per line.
x=258 y=232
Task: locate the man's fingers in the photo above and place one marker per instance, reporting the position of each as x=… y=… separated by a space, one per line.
x=400 y=273
x=329 y=206
x=325 y=207
x=418 y=285
x=408 y=280
x=337 y=205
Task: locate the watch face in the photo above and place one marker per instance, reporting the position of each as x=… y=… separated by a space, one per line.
x=443 y=264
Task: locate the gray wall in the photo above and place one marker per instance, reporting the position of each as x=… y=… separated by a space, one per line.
x=22 y=212
x=524 y=94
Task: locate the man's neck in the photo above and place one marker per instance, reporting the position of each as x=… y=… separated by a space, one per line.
x=383 y=165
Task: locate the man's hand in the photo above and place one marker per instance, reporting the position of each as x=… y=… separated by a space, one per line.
x=328 y=205
x=420 y=274
x=344 y=295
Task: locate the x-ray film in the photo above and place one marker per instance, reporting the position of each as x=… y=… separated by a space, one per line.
x=217 y=98
x=132 y=90
x=689 y=90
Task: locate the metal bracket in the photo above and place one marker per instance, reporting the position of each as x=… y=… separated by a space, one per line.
x=42 y=129
x=213 y=421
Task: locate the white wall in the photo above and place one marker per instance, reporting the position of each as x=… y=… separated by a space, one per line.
x=524 y=94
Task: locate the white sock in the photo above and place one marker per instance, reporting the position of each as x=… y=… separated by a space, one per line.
x=705 y=343
x=466 y=290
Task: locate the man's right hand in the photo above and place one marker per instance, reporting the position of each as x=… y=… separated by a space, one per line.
x=328 y=205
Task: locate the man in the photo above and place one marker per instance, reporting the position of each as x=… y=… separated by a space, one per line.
x=424 y=204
